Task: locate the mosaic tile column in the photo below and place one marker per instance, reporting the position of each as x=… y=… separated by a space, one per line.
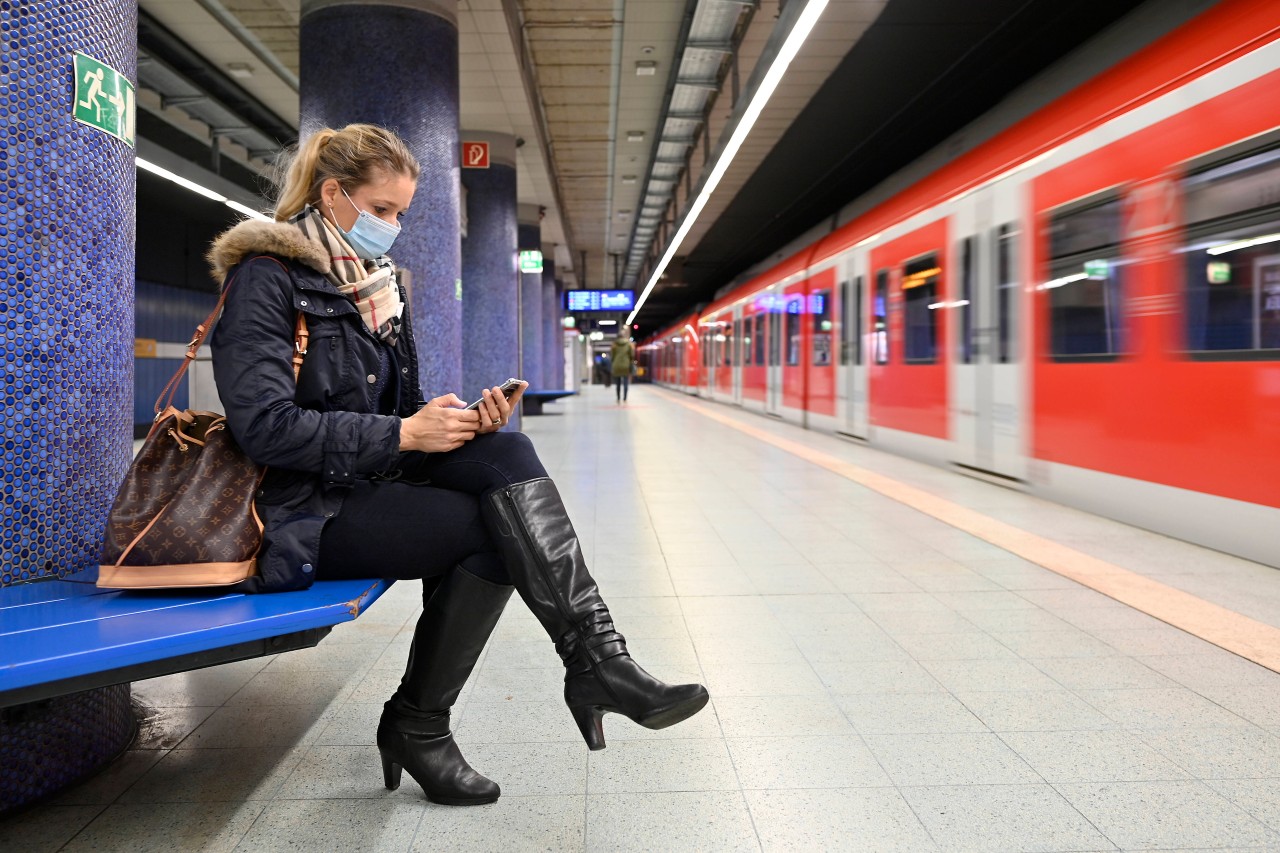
x=560 y=339
x=552 y=331
x=66 y=269
x=530 y=237
x=395 y=63
x=490 y=277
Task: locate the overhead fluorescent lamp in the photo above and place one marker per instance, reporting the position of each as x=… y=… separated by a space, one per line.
x=148 y=166
x=246 y=210
x=1244 y=244
x=635 y=136
x=646 y=68
x=1059 y=282
x=606 y=322
x=628 y=179
x=795 y=40
x=179 y=180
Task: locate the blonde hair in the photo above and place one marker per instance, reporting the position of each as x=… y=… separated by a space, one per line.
x=351 y=156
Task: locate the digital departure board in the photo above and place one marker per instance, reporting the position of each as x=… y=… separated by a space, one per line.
x=599 y=300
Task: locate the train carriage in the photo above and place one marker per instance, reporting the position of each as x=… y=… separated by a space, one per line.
x=1086 y=305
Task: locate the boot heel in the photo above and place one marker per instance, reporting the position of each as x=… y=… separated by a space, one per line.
x=390 y=773
x=590 y=720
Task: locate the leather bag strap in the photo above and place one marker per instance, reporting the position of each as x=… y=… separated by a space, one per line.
x=300 y=338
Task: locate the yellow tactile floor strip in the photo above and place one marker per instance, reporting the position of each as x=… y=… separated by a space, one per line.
x=1235 y=632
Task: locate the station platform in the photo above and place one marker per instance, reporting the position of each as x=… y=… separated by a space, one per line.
x=892 y=667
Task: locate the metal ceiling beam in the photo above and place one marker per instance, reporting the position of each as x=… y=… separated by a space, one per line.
x=659 y=189
x=532 y=90
x=154 y=38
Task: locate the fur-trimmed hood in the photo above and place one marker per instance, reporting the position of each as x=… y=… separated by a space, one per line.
x=253 y=236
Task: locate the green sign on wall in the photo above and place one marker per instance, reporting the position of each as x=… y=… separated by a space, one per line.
x=531 y=261
x=103 y=99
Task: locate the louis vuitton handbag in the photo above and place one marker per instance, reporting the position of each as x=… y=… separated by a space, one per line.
x=184 y=515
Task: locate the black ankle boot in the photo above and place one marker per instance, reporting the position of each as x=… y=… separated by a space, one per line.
x=413 y=733
x=544 y=559
x=601 y=678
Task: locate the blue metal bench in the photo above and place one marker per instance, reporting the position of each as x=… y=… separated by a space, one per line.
x=62 y=636
x=533 y=400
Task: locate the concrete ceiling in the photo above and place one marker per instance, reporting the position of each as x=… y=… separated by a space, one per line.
x=582 y=82
x=600 y=91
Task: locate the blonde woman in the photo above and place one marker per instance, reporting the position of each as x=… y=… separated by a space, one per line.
x=365 y=480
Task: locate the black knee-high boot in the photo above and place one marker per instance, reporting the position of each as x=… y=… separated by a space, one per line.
x=414 y=731
x=544 y=559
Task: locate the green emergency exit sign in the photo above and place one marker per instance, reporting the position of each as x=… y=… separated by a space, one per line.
x=103 y=99
x=531 y=261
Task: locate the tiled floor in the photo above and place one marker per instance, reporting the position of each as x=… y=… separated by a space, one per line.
x=879 y=681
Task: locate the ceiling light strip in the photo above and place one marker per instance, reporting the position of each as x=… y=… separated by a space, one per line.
x=148 y=166
x=795 y=40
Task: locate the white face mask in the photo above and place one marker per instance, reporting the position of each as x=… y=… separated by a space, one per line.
x=370 y=236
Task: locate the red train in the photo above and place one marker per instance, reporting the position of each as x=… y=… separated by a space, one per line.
x=1087 y=304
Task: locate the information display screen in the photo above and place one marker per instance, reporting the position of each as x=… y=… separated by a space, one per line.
x=599 y=300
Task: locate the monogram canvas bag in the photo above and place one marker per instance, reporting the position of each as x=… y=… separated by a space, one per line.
x=184 y=515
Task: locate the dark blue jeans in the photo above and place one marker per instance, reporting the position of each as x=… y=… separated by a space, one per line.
x=424 y=518
x=621 y=384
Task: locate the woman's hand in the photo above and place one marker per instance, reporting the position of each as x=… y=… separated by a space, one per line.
x=442 y=425
x=495 y=408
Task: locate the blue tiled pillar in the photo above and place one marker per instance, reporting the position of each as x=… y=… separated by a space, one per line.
x=552 y=331
x=490 y=278
x=530 y=237
x=395 y=64
x=560 y=340
x=66 y=343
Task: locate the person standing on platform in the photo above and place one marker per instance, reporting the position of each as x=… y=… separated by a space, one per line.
x=622 y=359
x=364 y=480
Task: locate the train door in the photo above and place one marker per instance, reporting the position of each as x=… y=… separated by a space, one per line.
x=741 y=332
x=794 y=383
x=986 y=415
x=851 y=382
x=709 y=354
x=773 y=374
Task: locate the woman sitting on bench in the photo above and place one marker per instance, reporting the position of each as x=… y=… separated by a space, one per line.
x=364 y=480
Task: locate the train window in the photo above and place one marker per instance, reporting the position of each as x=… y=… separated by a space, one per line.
x=746 y=340
x=794 y=307
x=1006 y=293
x=736 y=351
x=727 y=336
x=968 y=271
x=846 y=338
x=760 y=321
x=921 y=281
x=1233 y=258
x=1084 y=283
x=820 y=310
x=880 y=332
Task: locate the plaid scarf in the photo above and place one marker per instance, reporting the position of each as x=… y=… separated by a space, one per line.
x=371 y=285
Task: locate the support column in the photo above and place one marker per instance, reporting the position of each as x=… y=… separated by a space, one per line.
x=552 y=331
x=66 y=343
x=560 y=340
x=490 y=278
x=395 y=63
x=530 y=237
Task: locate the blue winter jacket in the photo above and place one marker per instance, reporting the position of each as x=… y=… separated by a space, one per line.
x=341 y=420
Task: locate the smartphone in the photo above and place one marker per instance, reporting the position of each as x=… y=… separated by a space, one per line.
x=508 y=388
